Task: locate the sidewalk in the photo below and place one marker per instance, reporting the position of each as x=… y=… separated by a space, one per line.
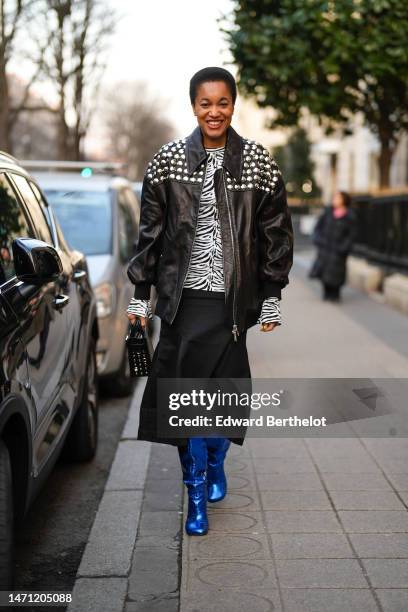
x=308 y=524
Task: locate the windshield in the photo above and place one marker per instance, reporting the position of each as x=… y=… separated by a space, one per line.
x=85 y=218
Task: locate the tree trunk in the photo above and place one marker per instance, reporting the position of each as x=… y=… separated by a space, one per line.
x=5 y=139
x=384 y=162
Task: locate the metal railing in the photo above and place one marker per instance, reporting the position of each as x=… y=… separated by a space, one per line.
x=383 y=230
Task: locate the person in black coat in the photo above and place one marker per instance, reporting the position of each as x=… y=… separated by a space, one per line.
x=334 y=235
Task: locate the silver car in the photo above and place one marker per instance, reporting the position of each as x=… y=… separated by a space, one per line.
x=99 y=214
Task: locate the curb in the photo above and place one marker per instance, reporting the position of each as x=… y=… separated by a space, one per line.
x=101 y=581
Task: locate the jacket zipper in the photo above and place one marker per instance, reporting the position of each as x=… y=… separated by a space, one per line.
x=192 y=246
x=235 y=331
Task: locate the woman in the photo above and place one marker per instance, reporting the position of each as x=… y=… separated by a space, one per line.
x=334 y=235
x=216 y=241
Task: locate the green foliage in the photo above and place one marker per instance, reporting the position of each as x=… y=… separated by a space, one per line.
x=332 y=57
x=296 y=166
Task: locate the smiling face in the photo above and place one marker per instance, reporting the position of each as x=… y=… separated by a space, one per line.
x=213 y=108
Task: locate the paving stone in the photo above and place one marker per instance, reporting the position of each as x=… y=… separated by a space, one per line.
x=310 y=545
x=234 y=521
x=393 y=600
x=349 y=466
x=166 y=486
x=404 y=497
x=168 y=604
x=399 y=481
x=355 y=482
x=394 y=465
x=94 y=594
x=154 y=573
x=240 y=483
x=387 y=573
x=157 y=501
x=295 y=500
x=277 y=446
x=381 y=545
x=373 y=521
x=304 y=521
x=239 y=501
x=237 y=464
x=387 y=446
x=366 y=500
x=223 y=600
x=282 y=465
x=230 y=546
x=159 y=522
x=232 y=574
x=320 y=573
x=289 y=482
x=334 y=446
x=329 y=600
x=159 y=541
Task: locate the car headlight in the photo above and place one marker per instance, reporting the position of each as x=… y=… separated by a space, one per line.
x=105 y=295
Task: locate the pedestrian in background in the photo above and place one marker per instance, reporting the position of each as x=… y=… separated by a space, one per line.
x=216 y=241
x=334 y=235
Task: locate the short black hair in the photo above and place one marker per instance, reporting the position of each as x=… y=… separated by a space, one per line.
x=212 y=73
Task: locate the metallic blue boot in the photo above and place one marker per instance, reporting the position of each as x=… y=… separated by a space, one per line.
x=193 y=459
x=216 y=480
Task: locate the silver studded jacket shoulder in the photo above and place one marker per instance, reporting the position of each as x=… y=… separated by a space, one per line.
x=254 y=221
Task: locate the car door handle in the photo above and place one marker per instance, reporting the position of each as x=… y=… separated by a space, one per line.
x=60 y=301
x=79 y=275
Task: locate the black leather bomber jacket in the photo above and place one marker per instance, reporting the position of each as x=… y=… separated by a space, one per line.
x=256 y=228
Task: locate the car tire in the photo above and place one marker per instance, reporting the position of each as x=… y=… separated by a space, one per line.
x=82 y=439
x=6 y=520
x=122 y=384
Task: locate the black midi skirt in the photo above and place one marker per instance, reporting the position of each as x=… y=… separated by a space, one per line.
x=198 y=344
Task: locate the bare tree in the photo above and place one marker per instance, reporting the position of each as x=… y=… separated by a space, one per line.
x=135 y=124
x=78 y=32
x=33 y=134
x=11 y=18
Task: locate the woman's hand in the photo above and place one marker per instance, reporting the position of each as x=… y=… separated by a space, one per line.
x=132 y=318
x=268 y=327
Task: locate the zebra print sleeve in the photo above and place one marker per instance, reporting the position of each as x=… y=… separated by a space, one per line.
x=270 y=311
x=142 y=308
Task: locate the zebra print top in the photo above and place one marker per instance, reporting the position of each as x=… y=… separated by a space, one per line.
x=206 y=269
x=206 y=265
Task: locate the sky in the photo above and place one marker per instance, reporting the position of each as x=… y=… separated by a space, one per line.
x=164 y=43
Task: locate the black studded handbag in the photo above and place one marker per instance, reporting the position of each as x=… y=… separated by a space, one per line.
x=140 y=350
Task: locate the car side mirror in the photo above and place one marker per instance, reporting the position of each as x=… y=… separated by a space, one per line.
x=35 y=261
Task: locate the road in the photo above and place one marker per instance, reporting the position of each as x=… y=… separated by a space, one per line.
x=50 y=545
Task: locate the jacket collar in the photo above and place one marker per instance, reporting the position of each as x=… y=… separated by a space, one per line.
x=233 y=154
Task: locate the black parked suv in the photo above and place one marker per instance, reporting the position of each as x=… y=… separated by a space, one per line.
x=48 y=335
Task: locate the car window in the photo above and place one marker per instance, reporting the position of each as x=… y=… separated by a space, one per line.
x=39 y=221
x=13 y=224
x=85 y=218
x=126 y=229
x=43 y=204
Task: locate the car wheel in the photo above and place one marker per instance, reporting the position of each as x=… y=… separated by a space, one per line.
x=6 y=520
x=82 y=439
x=122 y=384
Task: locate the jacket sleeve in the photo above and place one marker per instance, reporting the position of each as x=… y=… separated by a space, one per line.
x=275 y=236
x=142 y=268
